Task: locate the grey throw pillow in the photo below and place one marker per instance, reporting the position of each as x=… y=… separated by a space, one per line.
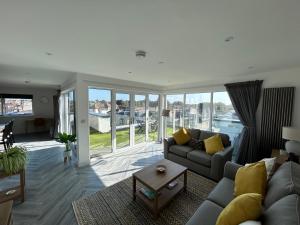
x=196 y=144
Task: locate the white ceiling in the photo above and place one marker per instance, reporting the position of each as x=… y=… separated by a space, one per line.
x=101 y=37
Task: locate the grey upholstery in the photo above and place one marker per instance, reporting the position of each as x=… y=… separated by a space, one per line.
x=283 y=212
x=197 y=160
x=195 y=133
x=199 y=156
x=222 y=194
x=180 y=150
x=284 y=182
x=206 y=214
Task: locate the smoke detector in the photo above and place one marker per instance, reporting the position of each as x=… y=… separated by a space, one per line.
x=140 y=54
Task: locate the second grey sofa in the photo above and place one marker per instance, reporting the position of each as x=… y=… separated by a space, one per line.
x=199 y=161
x=281 y=204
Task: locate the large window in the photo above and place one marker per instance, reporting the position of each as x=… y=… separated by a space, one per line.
x=206 y=111
x=197 y=111
x=14 y=104
x=224 y=117
x=175 y=120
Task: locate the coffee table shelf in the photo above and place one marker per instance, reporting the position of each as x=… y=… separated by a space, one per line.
x=164 y=198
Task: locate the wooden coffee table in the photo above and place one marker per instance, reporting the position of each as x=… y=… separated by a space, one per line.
x=157 y=182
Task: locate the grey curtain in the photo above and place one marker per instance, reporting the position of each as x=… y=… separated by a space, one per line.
x=245 y=98
x=56 y=114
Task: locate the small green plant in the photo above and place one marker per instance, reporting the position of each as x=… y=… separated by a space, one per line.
x=13 y=160
x=66 y=139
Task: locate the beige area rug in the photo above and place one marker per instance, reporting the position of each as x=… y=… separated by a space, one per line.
x=114 y=205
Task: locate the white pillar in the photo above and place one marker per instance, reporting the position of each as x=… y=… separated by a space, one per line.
x=82 y=123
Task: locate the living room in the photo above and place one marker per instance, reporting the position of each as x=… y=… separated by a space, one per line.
x=138 y=112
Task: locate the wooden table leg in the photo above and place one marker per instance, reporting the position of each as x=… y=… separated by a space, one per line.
x=134 y=188
x=156 y=213
x=22 y=184
x=185 y=180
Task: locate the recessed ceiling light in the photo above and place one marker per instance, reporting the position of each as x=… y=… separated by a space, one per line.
x=250 y=67
x=228 y=39
x=27 y=81
x=140 y=54
x=130 y=72
x=49 y=53
x=161 y=62
x=27 y=73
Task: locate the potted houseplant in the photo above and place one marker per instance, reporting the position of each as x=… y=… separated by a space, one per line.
x=13 y=160
x=67 y=139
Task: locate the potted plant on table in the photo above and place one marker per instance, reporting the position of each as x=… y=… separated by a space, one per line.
x=67 y=139
x=13 y=160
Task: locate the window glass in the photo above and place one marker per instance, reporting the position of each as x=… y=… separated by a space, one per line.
x=197 y=111
x=175 y=119
x=17 y=106
x=225 y=119
x=153 y=117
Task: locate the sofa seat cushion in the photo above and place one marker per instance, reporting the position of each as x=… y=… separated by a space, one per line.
x=285 y=181
x=180 y=150
x=283 y=212
x=200 y=157
x=222 y=194
x=206 y=214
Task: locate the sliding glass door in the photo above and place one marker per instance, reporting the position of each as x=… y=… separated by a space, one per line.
x=100 y=121
x=139 y=125
x=123 y=120
x=153 y=122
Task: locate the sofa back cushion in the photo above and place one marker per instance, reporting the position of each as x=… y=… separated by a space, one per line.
x=207 y=134
x=283 y=212
x=285 y=181
x=195 y=133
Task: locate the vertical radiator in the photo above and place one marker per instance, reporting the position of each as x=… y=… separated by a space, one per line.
x=277 y=112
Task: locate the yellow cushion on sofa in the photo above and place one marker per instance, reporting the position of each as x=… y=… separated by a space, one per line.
x=182 y=136
x=242 y=208
x=251 y=179
x=213 y=144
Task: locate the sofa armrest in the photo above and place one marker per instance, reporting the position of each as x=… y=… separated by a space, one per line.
x=218 y=161
x=168 y=142
x=230 y=170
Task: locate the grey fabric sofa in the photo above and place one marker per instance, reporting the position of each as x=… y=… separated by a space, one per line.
x=199 y=161
x=281 y=203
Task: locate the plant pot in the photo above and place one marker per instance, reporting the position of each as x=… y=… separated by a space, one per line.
x=68 y=154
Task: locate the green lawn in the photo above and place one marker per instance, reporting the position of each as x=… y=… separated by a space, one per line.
x=100 y=141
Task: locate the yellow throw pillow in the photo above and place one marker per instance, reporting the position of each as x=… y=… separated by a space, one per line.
x=242 y=208
x=251 y=179
x=182 y=136
x=213 y=144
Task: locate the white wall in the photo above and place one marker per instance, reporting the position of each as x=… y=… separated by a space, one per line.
x=39 y=109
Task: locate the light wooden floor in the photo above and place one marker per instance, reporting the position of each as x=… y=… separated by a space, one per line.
x=51 y=186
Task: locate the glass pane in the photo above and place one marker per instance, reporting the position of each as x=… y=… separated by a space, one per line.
x=100 y=121
x=139 y=118
x=225 y=119
x=71 y=111
x=175 y=119
x=197 y=111
x=16 y=106
x=122 y=120
x=153 y=117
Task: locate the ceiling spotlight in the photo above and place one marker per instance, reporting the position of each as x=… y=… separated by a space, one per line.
x=228 y=39
x=140 y=54
x=250 y=67
x=130 y=72
x=27 y=81
x=49 y=53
